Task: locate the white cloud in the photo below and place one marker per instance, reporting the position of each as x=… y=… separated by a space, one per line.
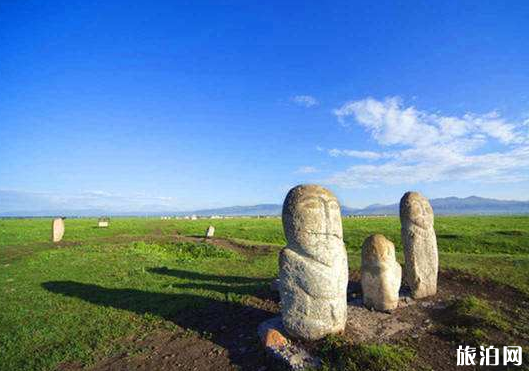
x=306 y=170
x=392 y=124
x=97 y=193
x=367 y=155
x=429 y=147
x=494 y=126
x=493 y=167
x=305 y=100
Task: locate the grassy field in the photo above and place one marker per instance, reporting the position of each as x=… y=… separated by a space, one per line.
x=76 y=301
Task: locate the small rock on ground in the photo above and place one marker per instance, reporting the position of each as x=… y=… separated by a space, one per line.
x=281 y=349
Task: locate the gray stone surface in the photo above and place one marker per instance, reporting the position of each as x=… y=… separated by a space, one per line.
x=364 y=325
x=57 y=229
x=313 y=271
x=420 y=245
x=286 y=354
x=381 y=274
x=210 y=232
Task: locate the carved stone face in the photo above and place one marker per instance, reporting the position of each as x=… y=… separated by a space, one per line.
x=377 y=248
x=311 y=217
x=417 y=209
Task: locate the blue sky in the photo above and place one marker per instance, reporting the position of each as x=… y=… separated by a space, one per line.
x=191 y=104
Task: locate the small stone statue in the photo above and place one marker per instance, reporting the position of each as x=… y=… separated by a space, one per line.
x=313 y=271
x=210 y=232
x=57 y=229
x=381 y=274
x=420 y=245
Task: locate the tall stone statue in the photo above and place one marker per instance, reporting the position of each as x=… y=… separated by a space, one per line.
x=420 y=245
x=57 y=229
x=381 y=274
x=313 y=272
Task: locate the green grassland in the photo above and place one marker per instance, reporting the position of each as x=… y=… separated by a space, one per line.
x=45 y=318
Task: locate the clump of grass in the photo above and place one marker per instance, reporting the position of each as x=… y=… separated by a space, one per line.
x=471 y=317
x=465 y=335
x=473 y=310
x=183 y=251
x=338 y=353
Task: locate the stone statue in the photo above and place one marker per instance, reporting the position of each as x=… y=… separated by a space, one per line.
x=381 y=274
x=313 y=272
x=420 y=245
x=210 y=232
x=57 y=229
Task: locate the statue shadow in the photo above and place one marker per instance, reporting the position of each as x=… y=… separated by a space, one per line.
x=179 y=273
x=240 y=285
x=229 y=323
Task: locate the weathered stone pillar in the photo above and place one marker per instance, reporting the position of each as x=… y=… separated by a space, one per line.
x=313 y=272
x=381 y=274
x=210 y=232
x=420 y=245
x=57 y=229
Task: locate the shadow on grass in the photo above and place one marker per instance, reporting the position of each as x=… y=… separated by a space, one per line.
x=510 y=233
x=230 y=324
x=449 y=236
x=227 y=285
x=207 y=277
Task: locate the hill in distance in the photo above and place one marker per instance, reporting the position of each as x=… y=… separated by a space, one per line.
x=442 y=206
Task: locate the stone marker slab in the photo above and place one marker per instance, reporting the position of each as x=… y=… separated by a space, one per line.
x=103 y=223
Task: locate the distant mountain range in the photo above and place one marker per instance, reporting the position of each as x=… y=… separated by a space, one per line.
x=456 y=206
x=448 y=206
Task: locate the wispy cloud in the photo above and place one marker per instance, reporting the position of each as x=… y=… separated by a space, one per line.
x=304 y=100
x=306 y=170
x=429 y=147
x=390 y=123
x=367 y=155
